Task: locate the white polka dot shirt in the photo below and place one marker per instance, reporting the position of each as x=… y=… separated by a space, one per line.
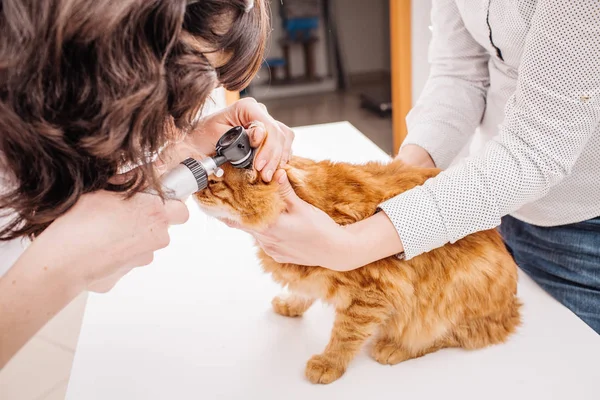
x=527 y=74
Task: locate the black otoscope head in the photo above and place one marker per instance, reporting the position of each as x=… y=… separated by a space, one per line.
x=234 y=146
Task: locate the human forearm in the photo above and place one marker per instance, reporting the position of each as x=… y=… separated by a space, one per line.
x=415 y=155
x=370 y=240
x=36 y=288
x=546 y=127
x=90 y=247
x=453 y=101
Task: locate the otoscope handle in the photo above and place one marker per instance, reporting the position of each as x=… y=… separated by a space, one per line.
x=189 y=177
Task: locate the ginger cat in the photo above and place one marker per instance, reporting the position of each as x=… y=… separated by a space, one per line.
x=460 y=295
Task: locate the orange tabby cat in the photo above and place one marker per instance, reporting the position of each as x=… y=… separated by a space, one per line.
x=460 y=295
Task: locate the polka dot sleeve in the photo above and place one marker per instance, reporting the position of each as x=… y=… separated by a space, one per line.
x=548 y=121
x=442 y=124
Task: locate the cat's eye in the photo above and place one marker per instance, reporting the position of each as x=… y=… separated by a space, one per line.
x=212 y=182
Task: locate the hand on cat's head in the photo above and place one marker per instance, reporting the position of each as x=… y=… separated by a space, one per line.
x=282 y=223
x=286 y=191
x=284 y=199
x=301 y=226
x=241 y=199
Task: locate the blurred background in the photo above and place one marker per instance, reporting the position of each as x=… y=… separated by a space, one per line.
x=362 y=61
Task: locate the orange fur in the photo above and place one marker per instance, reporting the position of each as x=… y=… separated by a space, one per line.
x=460 y=295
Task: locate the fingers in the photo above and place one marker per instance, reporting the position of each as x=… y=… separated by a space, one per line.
x=237 y=225
x=106 y=284
x=271 y=250
x=287 y=146
x=103 y=286
x=272 y=151
x=273 y=138
x=270 y=140
x=142 y=260
x=285 y=189
x=177 y=212
x=257 y=133
x=230 y=223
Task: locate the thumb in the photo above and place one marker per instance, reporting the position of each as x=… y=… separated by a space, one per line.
x=257 y=132
x=285 y=188
x=177 y=212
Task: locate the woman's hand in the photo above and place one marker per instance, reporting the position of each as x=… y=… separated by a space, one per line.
x=274 y=138
x=105 y=236
x=305 y=235
x=90 y=247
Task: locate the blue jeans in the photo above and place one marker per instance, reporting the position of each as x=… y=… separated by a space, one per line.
x=563 y=260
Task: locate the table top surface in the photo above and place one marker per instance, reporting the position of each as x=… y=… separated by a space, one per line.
x=197 y=324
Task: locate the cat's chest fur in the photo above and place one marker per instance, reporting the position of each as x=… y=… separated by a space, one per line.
x=311 y=282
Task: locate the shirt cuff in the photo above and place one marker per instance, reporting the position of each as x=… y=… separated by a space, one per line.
x=417 y=220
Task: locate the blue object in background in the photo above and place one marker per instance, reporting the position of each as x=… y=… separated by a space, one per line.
x=300 y=28
x=274 y=62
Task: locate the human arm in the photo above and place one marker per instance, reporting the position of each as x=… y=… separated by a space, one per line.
x=273 y=138
x=453 y=100
x=303 y=226
x=446 y=115
x=88 y=248
x=548 y=121
x=415 y=155
x=33 y=290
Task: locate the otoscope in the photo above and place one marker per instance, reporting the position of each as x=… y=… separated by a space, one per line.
x=191 y=175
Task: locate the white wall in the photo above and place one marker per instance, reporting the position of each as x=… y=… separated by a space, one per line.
x=363 y=27
x=421 y=35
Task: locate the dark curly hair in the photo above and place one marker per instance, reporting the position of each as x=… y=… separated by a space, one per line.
x=87 y=86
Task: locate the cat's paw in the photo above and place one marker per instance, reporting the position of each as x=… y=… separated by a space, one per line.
x=320 y=369
x=389 y=353
x=287 y=307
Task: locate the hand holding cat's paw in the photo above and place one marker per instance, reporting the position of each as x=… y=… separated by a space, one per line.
x=320 y=369
x=389 y=353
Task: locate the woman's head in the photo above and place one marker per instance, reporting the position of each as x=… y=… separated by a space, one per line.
x=87 y=86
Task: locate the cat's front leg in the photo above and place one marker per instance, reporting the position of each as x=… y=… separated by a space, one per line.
x=393 y=347
x=352 y=327
x=291 y=305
